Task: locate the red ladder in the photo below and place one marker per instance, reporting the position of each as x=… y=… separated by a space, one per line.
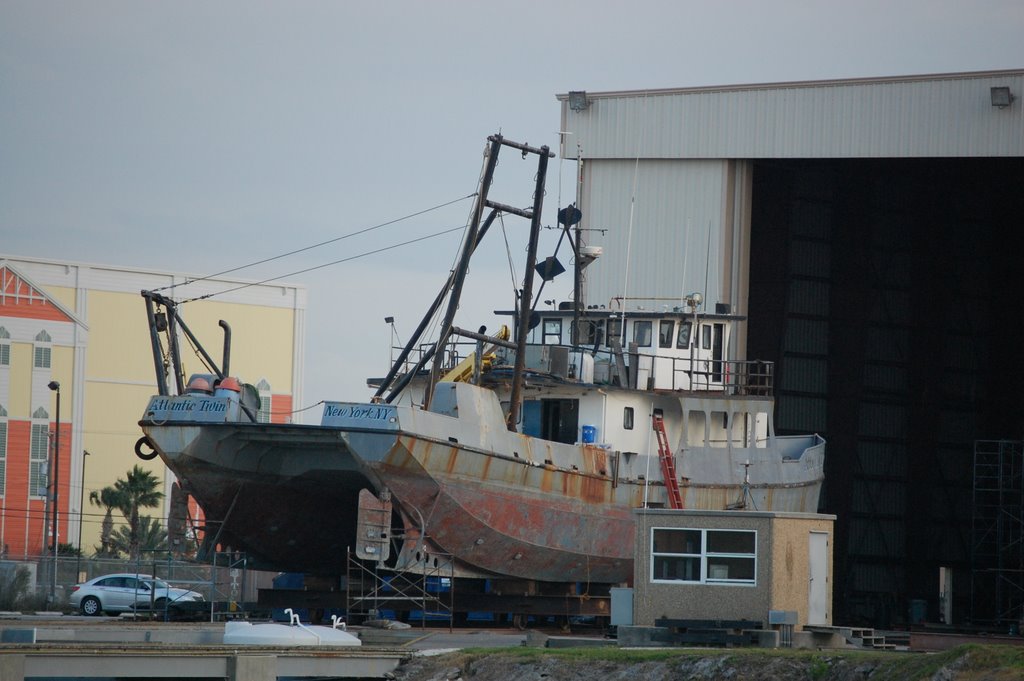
x=668 y=464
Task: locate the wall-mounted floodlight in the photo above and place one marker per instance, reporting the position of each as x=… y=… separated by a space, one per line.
x=1002 y=97
x=578 y=100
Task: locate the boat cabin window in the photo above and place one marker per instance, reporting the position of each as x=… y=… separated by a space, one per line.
x=665 y=329
x=717 y=366
x=552 y=332
x=705 y=336
x=627 y=418
x=642 y=333
x=615 y=330
x=592 y=332
x=683 y=339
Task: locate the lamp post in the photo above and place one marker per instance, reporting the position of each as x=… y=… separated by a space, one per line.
x=81 y=519
x=55 y=386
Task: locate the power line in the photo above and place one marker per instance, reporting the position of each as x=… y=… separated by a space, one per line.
x=328 y=264
x=318 y=245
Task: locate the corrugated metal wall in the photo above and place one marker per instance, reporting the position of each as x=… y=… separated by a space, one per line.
x=929 y=116
x=677 y=203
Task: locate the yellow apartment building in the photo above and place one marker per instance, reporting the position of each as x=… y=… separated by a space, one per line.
x=74 y=339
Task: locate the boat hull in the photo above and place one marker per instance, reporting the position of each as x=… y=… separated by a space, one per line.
x=492 y=502
x=286 y=495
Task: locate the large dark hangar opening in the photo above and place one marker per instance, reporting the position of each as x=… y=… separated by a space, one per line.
x=888 y=292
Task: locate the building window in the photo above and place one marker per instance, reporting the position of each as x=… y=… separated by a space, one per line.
x=627 y=418
x=3 y=451
x=642 y=333
x=38 y=450
x=683 y=340
x=5 y=347
x=698 y=556
x=665 y=329
x=552 y=332
x=263 y=415
x=41 y=355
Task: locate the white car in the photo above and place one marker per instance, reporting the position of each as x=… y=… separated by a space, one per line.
x=126 y=592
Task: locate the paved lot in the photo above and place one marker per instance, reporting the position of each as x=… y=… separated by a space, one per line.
x=467 y=638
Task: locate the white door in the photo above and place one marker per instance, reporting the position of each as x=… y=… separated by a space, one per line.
x=817 y=594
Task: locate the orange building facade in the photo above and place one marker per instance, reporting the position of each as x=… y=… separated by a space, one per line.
x=37 y=335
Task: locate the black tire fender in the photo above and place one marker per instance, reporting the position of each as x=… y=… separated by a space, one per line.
x=145 y=456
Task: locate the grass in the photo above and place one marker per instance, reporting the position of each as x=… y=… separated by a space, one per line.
x=989 y=662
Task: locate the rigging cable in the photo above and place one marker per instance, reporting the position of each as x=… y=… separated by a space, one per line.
x=686 y=252
x=511 y=264
x=322 y=243
x=632 y=205
x=707 y=263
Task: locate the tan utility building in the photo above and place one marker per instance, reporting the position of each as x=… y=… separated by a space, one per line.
x=732 y=565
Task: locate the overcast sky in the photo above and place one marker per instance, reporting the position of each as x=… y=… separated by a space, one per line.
x=195 y=136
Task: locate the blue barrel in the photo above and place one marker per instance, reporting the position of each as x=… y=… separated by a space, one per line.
x=589 y=435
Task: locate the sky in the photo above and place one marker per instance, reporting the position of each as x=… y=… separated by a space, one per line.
x=196 y=136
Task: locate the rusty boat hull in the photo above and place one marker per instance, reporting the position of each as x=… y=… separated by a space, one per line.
x=489 y=502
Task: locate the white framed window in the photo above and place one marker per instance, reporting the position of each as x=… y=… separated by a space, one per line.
x=683 y=339
x=3 y=451
x=704 y=556
x=592 y=331
x=39 y=448
x=615 y=330
x=41 y=351
x=642 y=333
x=5 y=347
x=666 y=328
x=263 y=415
x=552 y=332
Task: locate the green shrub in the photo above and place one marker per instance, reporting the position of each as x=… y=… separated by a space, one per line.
x=14 y=588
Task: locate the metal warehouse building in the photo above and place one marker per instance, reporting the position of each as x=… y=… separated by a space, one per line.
x=866 y=229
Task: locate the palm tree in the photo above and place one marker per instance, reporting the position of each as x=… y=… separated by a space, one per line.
x=150 y=536
x=109 y=498
x=137 y=490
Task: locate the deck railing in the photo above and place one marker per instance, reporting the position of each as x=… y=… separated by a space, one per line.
x=642 y=370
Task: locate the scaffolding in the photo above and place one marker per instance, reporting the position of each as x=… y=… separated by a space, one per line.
x=997 y=547
x=427 y=595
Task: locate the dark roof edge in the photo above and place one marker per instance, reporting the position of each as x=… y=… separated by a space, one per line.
x=799 y=84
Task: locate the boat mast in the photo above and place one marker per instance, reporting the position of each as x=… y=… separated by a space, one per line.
x=468 y=246
x=525 y=300
x=575 y=221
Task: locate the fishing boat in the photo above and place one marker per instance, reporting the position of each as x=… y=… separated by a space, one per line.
x=519 y=455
